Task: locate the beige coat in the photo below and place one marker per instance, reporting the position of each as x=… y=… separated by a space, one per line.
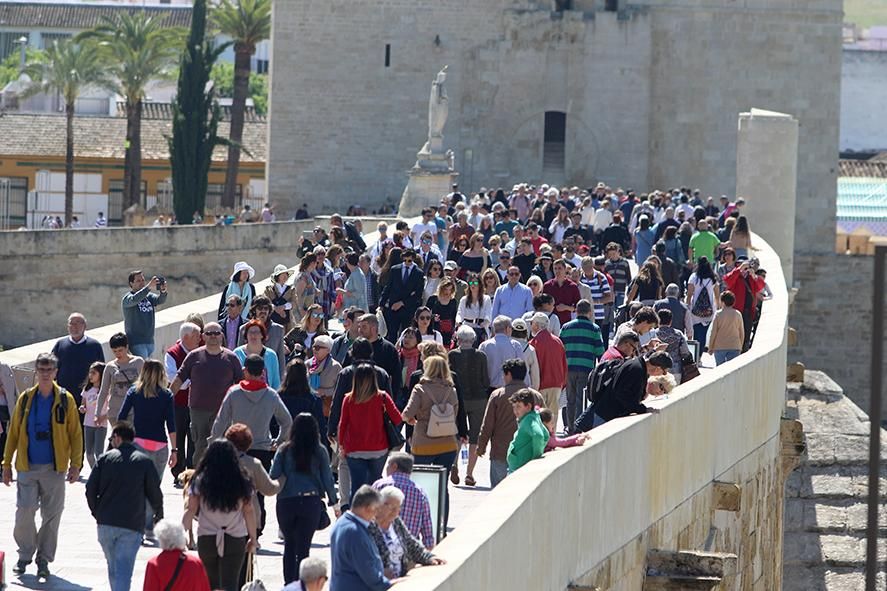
x=419 y=408
x=262 y=483
x=290 y=297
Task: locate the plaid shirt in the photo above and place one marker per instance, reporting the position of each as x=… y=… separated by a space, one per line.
x=416 y=511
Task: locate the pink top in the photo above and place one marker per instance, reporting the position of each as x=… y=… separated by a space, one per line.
x=554 y=441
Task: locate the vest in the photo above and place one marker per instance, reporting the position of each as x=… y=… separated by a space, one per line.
x=178 y=353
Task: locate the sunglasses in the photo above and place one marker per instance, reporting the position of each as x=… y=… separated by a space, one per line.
x=424 y=317
x=231 y=305
x=316 y=347
x=213 y=333
x=473 y=283
x=317 y=314
x=514 y=274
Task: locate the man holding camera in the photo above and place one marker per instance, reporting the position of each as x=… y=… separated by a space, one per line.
x=139 y=305
x=46 y=440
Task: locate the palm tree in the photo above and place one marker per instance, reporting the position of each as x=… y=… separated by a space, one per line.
x=247 y=23
x=139 y=49
x=66 y=68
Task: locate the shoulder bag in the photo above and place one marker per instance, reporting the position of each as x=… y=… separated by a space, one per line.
x=392 y=433
x=175 y=573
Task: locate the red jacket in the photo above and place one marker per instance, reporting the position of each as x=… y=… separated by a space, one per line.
x=361 y=427
x=552 y=360
x=192 y=576
x=178 y=353
x=736 y=283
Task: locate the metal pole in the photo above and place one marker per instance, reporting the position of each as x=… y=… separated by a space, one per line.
x=877 y=361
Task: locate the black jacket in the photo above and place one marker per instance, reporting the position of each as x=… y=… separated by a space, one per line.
x=409 y=292
x=625 y=397
x=118 y=486
x=385 y=356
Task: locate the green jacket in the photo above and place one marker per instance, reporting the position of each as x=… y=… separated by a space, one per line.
x=67 y=436
x=529 y=441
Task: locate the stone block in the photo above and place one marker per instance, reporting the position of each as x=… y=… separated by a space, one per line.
x=795 y=372
x=726 y=496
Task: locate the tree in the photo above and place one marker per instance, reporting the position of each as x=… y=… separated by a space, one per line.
x=138 y=49
x=11 y=67
x=223 y=82
x=196 y=116
x=66 y=68
x=247 y=22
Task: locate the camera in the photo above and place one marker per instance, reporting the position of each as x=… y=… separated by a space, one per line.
x=161 y=280
x=42 y=435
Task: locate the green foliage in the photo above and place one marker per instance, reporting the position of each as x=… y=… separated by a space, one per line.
x=196 y=117
x=247 y=22
x=223 y=82
x=9 y=68
x=66 y=68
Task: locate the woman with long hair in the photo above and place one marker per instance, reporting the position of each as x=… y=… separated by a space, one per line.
x=559 y=225
x=475 y=308
x=362 y=435
x=304 y=286
x=395 y=257
x=256 y=333
x=306 y=465
x=740 y=237
x=476 y=259
x=313 y=324
x=642 y=240
x=435 y=389
x=423 y=321
x=220 y=496
x=410 y=361
x=544 y=268
x=432 y=280
x=444 y=309
x=490 y=281
x=674 y=249
x=703 y=295
x=457 y=249
x=647 y=286
x=298 y=396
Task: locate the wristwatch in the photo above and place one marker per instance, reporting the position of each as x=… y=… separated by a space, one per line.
x=174 y=449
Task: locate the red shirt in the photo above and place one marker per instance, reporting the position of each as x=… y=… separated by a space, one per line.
x=361 y=427
x=192 y=576
x=552 y=360
x=537 y=242
x=568 y=294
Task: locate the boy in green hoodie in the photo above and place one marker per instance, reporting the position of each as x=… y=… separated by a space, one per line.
x=531 y=435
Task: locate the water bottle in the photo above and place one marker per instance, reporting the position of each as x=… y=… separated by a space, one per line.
x=463 y=455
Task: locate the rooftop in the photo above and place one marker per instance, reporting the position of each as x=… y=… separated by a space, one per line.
x=43 y=135
x=79 y=16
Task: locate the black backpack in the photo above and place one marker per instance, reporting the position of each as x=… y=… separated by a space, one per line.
x=602 y=379
x=702 y=307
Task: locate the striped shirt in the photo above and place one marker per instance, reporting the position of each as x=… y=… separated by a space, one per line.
x=620 y=272
x=583 y=344
x=600 y=287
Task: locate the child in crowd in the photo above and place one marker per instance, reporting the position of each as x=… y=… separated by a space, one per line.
x=93 y=433
x=554 y=441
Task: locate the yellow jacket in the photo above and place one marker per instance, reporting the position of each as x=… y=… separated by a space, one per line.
x=67 y=436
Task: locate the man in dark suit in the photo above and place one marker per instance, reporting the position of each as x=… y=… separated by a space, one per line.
x=427 y=252
x=402 y=294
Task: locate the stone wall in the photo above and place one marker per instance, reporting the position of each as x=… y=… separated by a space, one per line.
x=650 y=93
x=833 y=316
x=51 y=273
x=863 y=94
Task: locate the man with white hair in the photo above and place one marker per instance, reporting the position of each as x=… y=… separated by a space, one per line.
x=174 y=568
x=471 y=366
x=416 y=510
x=189 y=339
x=552 y=361
x=680 y=313
x=312 y=575
x=500 y=348
x=76 y=353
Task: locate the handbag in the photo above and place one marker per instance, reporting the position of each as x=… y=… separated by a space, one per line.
x=392 y=433
x=689 y=369
x=253 y=583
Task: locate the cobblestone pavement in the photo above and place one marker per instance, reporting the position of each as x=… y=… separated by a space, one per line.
x=80 y=564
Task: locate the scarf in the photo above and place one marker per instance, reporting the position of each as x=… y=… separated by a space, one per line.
x=410 y=358
x=314 y=371
x=253 y=385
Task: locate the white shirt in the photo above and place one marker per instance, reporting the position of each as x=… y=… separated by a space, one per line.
x=602 y=219
x=420 y=228
x=475 y=312
x=686 y=208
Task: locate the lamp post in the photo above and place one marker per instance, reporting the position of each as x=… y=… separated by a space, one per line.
x=877 y=376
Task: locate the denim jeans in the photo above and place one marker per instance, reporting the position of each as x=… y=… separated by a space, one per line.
x=365 y=471
x=700 y=333
x=159 y=459
x=725 y=355
x=498 y=472
x=144 y=350
x=120 y=546
x=446 y=460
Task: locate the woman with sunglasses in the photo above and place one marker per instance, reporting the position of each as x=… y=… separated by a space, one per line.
x=476 y=259
x=490 y=281
x=302 y=336
x=475 y=308
x=423 y=321
x=444 y=309
x=432 y=280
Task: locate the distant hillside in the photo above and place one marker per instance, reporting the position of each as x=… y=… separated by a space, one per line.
x=865 y=13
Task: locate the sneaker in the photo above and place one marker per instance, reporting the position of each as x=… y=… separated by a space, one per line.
x=20 y=567
x=42 y=569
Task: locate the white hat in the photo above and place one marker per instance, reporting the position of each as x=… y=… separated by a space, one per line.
x=278 y=270
x=242 y=266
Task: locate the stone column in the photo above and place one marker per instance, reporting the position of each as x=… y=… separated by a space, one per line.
x=766 y=176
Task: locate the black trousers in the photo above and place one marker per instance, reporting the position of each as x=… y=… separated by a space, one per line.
x=184 y=442
x=298 y=518
x=265 y=456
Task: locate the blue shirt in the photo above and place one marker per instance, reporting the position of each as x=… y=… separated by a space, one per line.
x=513 y=302
x=40 y=420
x=498 y=350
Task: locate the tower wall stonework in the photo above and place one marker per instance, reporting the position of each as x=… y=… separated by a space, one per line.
x=651 y=94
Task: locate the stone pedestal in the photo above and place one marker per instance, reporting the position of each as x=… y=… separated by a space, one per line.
x=767 y=175
x=431 y=179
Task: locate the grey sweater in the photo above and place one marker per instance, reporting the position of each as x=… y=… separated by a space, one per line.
x=138 y=315
x=253 y=408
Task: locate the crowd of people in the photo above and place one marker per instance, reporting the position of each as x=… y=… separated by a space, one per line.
x=478 y=330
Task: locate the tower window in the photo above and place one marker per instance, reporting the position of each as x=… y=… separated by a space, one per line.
x=387 y=55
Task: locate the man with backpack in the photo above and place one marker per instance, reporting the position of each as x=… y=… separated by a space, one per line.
x=46 y=439
x=584 y=345
x=617 y=388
